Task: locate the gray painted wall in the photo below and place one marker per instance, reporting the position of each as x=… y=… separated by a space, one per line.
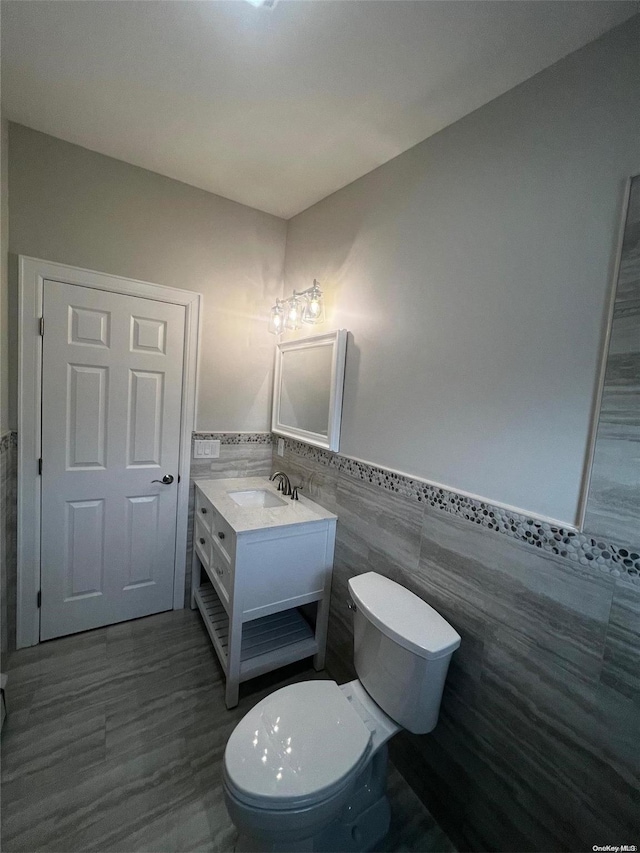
x=80 y=208
x=473 y=272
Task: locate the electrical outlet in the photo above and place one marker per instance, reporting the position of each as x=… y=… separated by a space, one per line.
x=280 y=450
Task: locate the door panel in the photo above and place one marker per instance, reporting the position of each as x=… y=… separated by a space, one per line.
x=148 y=335
x=86 y=416
x=145 y=417
x=90 y=328
x=112 y=397
x=84 y=568
x=142 y=530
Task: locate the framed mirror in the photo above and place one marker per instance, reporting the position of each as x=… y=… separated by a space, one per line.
x=307 y=389
x=610 y=502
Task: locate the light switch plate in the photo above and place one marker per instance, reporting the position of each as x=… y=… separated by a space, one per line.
x=206 y=449
x=280 y=450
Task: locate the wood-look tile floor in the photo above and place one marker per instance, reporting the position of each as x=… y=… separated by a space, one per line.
x=115 y=738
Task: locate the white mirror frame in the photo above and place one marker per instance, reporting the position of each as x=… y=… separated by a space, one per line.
x=338 y=341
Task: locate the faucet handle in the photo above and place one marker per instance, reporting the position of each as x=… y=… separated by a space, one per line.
x=294 y=492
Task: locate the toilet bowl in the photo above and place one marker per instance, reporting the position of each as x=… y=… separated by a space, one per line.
x=305 y=769
x=284 y=786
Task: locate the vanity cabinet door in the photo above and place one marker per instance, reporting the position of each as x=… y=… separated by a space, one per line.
x=278 y=570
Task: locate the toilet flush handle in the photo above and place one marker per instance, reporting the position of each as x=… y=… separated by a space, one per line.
x=351 y=605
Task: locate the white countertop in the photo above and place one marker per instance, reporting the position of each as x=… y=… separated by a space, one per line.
x=243 y=518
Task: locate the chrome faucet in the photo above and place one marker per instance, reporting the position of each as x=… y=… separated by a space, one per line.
x=284 y=484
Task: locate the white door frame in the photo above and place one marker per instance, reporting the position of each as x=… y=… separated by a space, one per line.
x=32 y=275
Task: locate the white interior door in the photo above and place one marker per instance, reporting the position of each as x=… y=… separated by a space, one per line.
x=111 y=405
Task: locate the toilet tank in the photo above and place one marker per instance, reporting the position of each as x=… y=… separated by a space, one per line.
x=402 y=649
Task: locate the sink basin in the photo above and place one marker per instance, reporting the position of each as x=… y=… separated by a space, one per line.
x=256 y=498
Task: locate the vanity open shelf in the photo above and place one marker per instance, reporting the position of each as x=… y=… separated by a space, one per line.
x=267 y=642
x=253 y=568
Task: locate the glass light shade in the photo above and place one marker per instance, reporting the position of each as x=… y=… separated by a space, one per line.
x=314 y=307
x=276 y=319
x=293 y=313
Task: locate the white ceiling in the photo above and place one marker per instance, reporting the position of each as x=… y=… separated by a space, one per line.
x=274 y=108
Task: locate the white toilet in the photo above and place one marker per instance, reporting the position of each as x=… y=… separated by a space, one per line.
x=305 y=769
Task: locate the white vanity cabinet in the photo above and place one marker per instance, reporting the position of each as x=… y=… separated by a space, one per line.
x=253 y=568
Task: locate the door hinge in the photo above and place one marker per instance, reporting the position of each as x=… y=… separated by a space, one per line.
x=41 y=327
x=40 y=467
x=39 y=599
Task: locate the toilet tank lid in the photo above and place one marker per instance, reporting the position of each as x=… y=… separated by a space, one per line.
x=402 y=616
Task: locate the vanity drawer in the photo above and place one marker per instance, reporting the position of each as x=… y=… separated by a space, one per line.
x=223 y=536
x=204 y=510
x=202 y=543
x=221 y=569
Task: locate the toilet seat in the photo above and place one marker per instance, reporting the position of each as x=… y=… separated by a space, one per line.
x=299 y=747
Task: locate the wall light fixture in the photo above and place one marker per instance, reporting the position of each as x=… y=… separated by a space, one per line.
x=267 y=4
x=306 y=306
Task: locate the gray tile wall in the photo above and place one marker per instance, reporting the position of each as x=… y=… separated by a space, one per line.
x=241 y=455
x=8 y=492
x=538 y=743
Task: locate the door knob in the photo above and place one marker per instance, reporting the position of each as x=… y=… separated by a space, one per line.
x=167 y=480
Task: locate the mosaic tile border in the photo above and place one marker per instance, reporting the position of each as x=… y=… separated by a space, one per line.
x=9 y=439
x=234 y=437
x=568 y=544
